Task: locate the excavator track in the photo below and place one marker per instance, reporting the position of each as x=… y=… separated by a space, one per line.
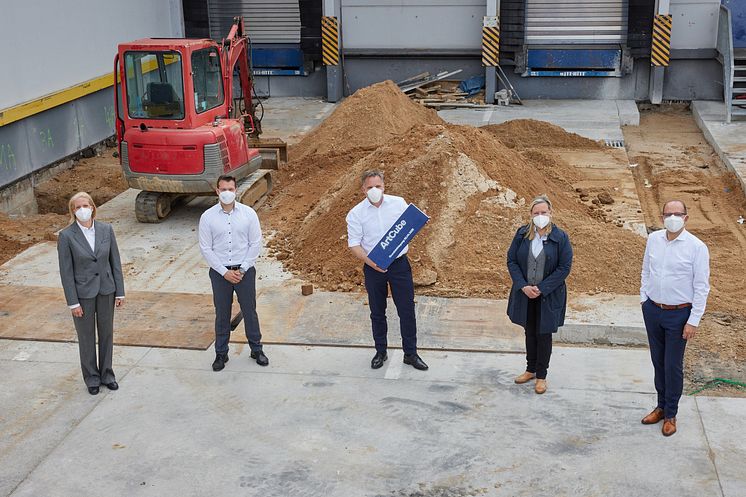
x=254 y=189
x=153 y=207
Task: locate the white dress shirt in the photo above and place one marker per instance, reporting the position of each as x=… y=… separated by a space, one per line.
x=90 y=234
x=230 y=238
x=366 y=223
x=90 y=237
x=537 y=244
x=676 y=272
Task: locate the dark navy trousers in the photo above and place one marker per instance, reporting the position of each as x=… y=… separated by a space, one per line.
x=222 y=297
x=399 y=277
x=665 y=329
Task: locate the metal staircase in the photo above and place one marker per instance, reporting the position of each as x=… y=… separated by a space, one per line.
x=738 y=83
x=734 y=67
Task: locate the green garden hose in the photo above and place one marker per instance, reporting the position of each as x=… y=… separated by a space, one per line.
x=719 y=381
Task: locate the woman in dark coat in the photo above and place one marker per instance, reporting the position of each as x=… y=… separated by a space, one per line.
x=539 y=261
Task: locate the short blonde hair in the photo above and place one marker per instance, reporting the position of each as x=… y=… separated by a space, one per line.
x=71 y=205
x=541 y=199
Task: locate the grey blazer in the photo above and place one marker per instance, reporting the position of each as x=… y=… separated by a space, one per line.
x=86 y=273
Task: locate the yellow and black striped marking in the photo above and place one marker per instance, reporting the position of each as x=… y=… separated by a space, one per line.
x=330 y=41
x=490 y=46
x=660 y=52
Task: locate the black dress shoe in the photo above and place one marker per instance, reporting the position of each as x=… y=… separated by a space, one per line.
x=415 y=361
x=378 y=360
x=93 y=390
x=112 y=386
x=261 y=359
x=220 y=360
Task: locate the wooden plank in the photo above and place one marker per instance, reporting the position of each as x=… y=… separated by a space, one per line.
x=457 y=105
x=422 y=75
x=147 y=319
x=439 y=77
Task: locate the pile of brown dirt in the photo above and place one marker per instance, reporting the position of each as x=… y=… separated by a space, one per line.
x=101 y=177
x=473 y=186
x=529 y=133
x=364 y=121
x=18 y=234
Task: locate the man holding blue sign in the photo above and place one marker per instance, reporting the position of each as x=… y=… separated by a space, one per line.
x=376 y=224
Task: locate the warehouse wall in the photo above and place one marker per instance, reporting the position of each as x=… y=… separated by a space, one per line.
x=50 y=46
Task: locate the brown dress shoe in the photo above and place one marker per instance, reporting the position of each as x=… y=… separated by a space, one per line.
x=525 y=378
x=655 y=416
x=669 y=427
x=541 y=386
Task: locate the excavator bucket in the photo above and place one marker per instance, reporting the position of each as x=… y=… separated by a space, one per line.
x=274 y=151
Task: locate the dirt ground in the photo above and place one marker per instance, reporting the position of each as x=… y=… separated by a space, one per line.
x=674 y=161
x=473 y=182
x=100 y=176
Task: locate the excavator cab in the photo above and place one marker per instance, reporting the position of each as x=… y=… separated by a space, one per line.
x=178 y=126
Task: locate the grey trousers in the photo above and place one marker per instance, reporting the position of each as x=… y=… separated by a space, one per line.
x=222 y=297
x=98 y=314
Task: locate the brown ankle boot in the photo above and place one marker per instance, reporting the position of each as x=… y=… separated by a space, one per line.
x=541 y=386
x=525 y=378
x=669 y=427
x=655 y=416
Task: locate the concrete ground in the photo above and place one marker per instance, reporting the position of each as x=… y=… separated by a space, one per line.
x=319 y=422
x=728 y=139
x=594 y=119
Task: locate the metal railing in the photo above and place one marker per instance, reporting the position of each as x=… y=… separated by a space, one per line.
x=725 y=50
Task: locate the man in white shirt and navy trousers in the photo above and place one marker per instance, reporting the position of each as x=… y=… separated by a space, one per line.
x=230 y=239
x=673 y=293
x=367 y=222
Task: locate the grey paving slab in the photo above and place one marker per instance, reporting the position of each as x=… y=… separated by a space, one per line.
x=318 y=421
x=594 y=119
x=291 y=117
x=43 y=398
x=728 y=139
x=723 y=423
x=572 y=368
x=155 y=257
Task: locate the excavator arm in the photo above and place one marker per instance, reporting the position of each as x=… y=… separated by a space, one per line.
x=235 y=49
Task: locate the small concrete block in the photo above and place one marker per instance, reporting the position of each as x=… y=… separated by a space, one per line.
x=629 y=115
x=306 y=289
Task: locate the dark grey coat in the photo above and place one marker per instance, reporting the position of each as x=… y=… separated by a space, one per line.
x=553 y=297
x=86 y=273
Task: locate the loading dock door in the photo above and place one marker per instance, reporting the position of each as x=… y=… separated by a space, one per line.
x=576 y=22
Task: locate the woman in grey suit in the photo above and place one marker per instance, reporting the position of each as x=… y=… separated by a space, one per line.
x=92 y=279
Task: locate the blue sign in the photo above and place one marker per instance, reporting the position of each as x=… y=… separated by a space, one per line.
x=398 y=236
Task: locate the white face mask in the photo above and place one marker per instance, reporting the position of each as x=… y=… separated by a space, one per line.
x=375 y=195
x=673 y=223
x=84 y=214
x=541 y=221
x=227 y=197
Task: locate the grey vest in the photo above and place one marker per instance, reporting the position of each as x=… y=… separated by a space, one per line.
x=535 y=269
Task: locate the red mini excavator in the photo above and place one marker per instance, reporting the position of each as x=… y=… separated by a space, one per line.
x=179 y=126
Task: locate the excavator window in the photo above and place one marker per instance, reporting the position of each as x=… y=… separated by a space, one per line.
x=155 y=88
x=208 y=79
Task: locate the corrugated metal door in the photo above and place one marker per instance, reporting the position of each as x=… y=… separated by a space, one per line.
x=268 y=21
x=586 y=22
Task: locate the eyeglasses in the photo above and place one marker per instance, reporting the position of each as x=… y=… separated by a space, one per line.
x=677 y=214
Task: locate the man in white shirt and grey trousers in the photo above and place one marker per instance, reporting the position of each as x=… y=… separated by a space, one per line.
x=367 y=222
x=230 y=239
x=673 y=293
